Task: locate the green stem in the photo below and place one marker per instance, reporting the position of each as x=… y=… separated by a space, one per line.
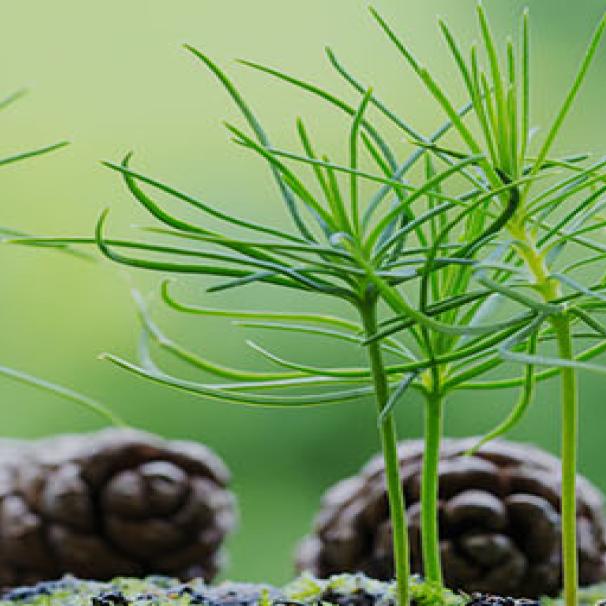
x=389 y=444
x=430 y=538
x=569 y=400
x=569 y=412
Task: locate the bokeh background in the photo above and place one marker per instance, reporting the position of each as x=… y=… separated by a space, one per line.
x=112 y=76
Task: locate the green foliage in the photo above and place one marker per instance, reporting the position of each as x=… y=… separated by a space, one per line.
x=541 y=226
x=453 y=258
x=8 y=235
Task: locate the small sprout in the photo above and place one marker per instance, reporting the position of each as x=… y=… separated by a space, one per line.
x=451 y=266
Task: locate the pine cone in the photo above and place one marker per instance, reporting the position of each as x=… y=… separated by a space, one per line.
x=117 y=502
x=498 y=517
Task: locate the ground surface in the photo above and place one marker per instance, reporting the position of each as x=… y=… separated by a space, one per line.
x=342 y=590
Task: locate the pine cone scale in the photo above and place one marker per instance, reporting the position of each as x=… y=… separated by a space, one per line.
x=120 y=502
x=499 y=521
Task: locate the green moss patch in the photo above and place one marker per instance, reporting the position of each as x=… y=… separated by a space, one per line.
x=339 y=590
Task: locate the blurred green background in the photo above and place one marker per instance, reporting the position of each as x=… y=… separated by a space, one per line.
x=112 y=76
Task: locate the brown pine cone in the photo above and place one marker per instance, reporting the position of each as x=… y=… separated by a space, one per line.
x=117 y=502
x=498 y=517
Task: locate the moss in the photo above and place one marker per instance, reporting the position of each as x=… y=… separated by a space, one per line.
x=341 y=590
x=307 y=590
x=359 y=590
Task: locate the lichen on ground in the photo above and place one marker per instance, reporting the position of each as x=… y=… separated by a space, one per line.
x=339 y=590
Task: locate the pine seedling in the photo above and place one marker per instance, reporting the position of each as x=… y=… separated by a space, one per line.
x=357 y=249
x=10 y=235
x=424 y=270
x=550 y=222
